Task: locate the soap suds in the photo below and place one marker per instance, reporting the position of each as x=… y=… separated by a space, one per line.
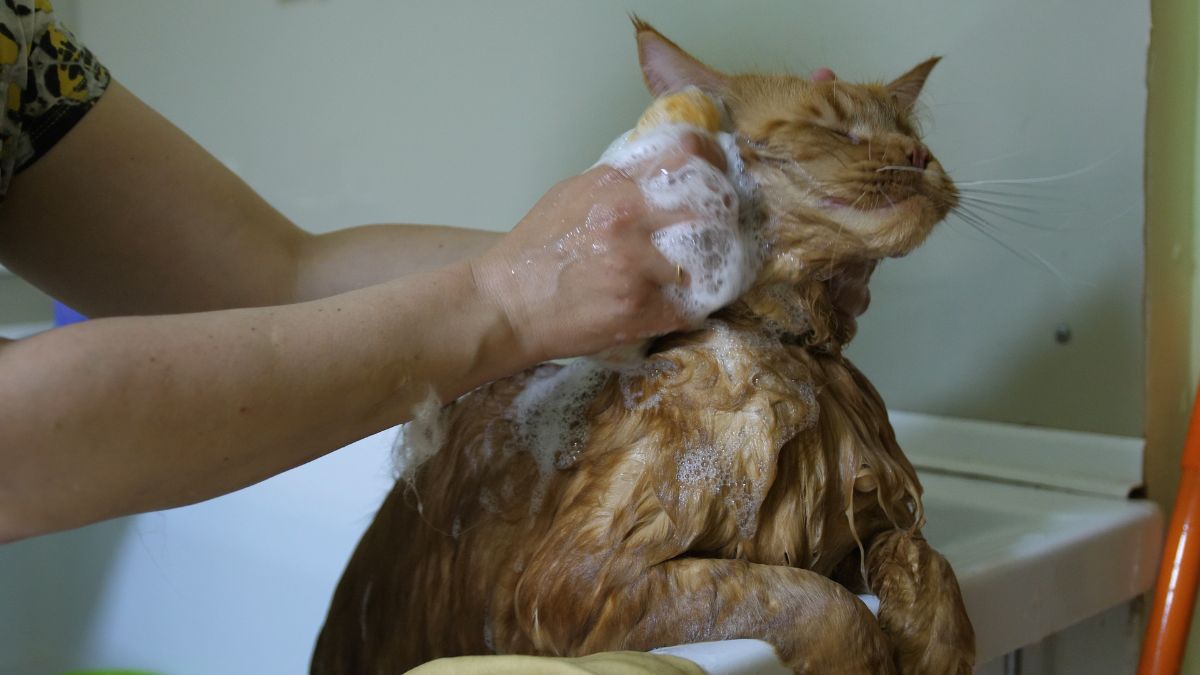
x=634 y=380
x=721 y=249
x=712 y=467
x=549 y=417
x=549 y=412
x=420 y=438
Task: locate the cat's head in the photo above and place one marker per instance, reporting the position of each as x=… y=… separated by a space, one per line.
x=841 y=167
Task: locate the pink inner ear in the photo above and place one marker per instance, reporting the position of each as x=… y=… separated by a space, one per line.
x=822 y=75
x=657 y=67
x=907 y=87
x=668 y=68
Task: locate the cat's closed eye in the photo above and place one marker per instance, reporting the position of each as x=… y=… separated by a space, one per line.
x=841 y=133
x=850 y=137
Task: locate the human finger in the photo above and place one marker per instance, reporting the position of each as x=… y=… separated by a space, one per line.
x=689 y=145
x=664 y=317
x=703 y=146
x=662 y=271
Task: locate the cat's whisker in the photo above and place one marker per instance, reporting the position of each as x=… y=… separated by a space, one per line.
x=997 y=210
x=1038 y=211
x=1019 y=194
x=1019 y=181
x=974 y=199
x=1040 y=179
x=985 y=199
x=1046 y=179
x=999 y=158
x=965 y=212
x=985 y=228
x=981 y=210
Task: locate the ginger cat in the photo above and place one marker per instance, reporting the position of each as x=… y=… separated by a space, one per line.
x=743 y=483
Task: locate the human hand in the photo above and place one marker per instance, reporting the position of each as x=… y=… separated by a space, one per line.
x=579 y=273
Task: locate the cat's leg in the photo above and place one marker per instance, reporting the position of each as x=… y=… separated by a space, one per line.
x=816 y=625
x=921 y=609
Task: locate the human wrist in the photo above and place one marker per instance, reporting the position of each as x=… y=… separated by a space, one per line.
x=498 y=300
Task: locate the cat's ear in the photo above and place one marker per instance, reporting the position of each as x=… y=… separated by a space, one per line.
x=907 y=87
x=668 y=68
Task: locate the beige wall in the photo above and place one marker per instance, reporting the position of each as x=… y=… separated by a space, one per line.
x=457 y=111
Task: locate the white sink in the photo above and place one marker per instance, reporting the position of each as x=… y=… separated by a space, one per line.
x=1034 y=561
x=1035 y=521
x=253 y=571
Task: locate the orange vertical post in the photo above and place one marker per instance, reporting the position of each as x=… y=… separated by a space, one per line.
x=1175 y=591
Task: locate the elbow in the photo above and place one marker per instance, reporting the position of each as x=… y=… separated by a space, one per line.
x=12 y=529
x=18 y=520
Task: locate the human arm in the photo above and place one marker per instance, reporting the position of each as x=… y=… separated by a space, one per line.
x=360 y=256
x=128 y=215
x=128 y=414
x=122 y=415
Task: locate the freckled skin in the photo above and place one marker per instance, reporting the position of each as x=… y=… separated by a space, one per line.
x=754 y=486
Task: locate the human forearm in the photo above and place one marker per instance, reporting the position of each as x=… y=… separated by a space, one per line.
x=344 y=260
x=129 y=414
x=125 y=415
x=193 y=235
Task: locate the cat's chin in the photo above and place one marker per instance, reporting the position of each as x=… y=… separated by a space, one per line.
x=891 y=230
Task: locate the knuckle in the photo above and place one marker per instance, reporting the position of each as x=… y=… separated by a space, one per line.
x=612 y=176
x=624 y=267
x=628 y=211
x=627 y=308
x=649 y=301
x=566 y=183
x=691 y=143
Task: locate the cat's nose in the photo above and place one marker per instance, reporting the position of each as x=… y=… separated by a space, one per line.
x=918 y=156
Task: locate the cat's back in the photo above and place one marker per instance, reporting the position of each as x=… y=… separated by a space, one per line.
x=565 y=472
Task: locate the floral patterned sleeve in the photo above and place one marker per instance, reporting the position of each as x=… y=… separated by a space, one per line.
x=49 y=81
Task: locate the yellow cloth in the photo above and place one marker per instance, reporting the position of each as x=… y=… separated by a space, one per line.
x=606 y=663
x=690 y=106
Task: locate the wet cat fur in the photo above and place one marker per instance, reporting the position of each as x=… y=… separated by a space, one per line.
x=753 y=483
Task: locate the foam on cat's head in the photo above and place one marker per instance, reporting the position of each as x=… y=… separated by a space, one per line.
x=719 y=249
